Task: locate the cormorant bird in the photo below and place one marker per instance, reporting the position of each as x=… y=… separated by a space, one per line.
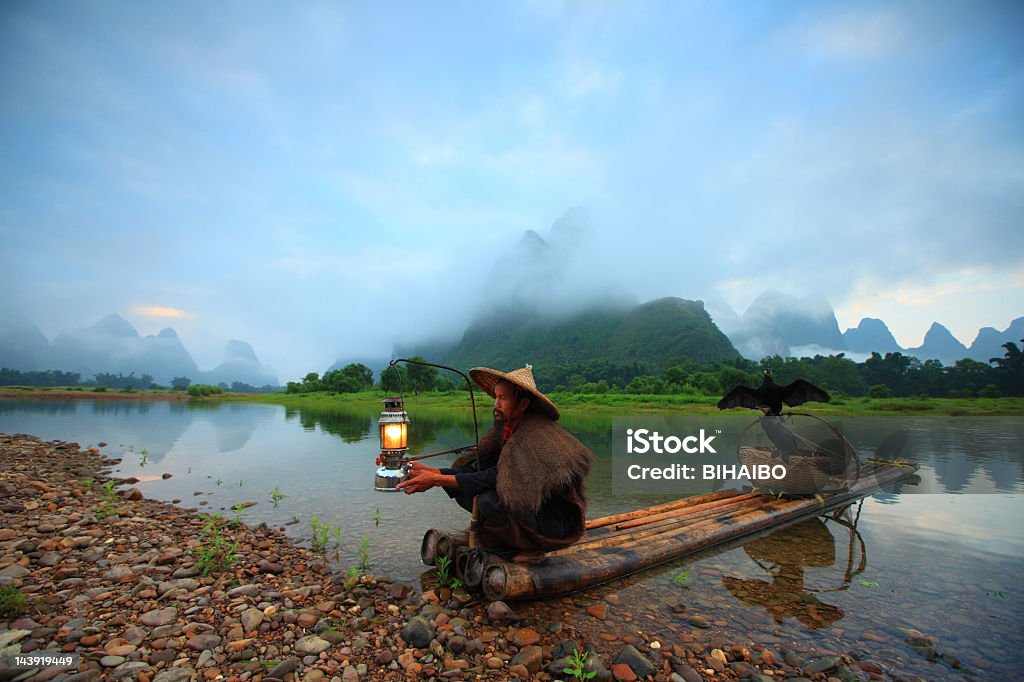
x=768 y=397
x=771 y=395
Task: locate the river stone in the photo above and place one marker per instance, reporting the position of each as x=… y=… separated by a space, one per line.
x=11 y=636
x=14 y=571
x=312 y=645
x=418 y=632
x=244 y=591
x=820 y=665
x=281 y=669
x=158 y=617
x=129 y=669
x=187 y=584
x=174 y=675
x=530 y=657
x=119 y=573
x=111 y=661
x=500 y=611
x=687 y=673
x=87 y=676
x=204 y=642
x=639 y=663
x=251 y=619
x=49 y=559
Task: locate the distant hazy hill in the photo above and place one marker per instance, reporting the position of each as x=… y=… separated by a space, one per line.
x=649 y=333
x=777 y=323
x=239 y=364
x=22 y=345
x=871 y=335
x=939 y=344
x=113 y=345
x=989 y=342
x=785 y=325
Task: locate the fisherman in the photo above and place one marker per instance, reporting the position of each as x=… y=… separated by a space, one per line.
x=529 y=482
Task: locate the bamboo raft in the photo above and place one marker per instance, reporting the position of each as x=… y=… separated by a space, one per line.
x=619 y=545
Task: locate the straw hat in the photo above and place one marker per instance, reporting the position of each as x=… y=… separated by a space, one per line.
x=487 y=379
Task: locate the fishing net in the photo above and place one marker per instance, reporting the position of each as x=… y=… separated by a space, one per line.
x=816 y=456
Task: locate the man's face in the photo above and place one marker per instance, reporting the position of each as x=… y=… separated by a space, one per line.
x=506 y=407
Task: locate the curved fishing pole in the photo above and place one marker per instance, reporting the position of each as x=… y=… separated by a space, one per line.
x=469 y=385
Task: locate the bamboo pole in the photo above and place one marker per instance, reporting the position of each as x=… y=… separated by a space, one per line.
x=675 y=513
x=654 y=527
x=668 y=506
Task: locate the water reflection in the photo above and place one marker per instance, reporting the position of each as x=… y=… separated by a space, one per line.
x=785 y=555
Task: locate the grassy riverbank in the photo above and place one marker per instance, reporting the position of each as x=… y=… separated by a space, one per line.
x=627 y=404
x=569 y=403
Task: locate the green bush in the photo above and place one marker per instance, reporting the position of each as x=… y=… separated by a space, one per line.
x=879 y=391
x=200 y=390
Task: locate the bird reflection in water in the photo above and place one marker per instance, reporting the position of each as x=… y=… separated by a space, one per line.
x=785 y=555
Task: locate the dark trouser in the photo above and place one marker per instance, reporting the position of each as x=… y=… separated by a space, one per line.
x=552 y=520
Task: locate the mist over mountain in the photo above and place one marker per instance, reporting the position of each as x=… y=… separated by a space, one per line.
x=239 y=364
x=114 y=346
x=644 y=336
x=778 y=324
x=775 y=323
x=22 y=345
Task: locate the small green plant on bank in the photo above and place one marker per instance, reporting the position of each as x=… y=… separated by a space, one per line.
x=12 y=602
x=376 y=517
x=215 y=553
x=322 y=533
x=88 y=482
x=869 y=583
x=364 y=554
x=218 y=482
x=442 y=571
x=145 y=458
x=995 y=594
x=240 y=483
x=108 y=505
x=577 y=662
x=276 y=496
x=238 y=509
x=352 y=579
x=681 y=578
x=444 y=578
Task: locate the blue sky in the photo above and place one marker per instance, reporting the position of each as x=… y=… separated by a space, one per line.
x=278 y=172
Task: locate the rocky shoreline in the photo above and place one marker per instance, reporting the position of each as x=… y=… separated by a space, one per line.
x=118 y=581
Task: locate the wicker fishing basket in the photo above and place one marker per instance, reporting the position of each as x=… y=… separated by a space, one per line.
x=817 y=457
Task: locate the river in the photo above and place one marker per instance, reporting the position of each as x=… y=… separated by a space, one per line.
x=923 y=584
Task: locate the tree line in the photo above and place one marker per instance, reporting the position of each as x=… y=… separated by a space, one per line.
x=54 y=378
x=880 y=376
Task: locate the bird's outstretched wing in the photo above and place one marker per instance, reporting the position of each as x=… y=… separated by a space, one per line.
x=801 y=391
x=740 y=396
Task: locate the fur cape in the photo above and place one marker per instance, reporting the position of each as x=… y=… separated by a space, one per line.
x=540 y=462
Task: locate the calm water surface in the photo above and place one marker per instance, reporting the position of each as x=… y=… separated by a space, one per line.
x=946 y=564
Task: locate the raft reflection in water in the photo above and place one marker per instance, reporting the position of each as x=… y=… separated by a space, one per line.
x=785 y=555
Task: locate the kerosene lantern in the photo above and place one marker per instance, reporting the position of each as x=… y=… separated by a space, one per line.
x=394 y=443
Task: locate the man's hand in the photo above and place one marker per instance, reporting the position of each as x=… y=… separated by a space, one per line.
x=421 y=477
x=419 y=480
